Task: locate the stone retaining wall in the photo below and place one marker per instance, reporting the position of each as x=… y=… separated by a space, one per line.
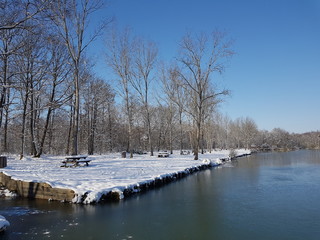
x=35 y=189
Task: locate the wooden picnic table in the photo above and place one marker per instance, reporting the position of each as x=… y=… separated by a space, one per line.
x=75 y=161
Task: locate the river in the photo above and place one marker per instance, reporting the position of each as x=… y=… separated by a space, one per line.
x=263 y=196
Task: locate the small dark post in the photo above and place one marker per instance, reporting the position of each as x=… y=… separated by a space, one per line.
x=3 y=161
x=124 y=154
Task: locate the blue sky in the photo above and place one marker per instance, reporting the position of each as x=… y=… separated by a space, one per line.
x=274 y=76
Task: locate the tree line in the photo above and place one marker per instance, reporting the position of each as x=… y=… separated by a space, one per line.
x=51 y=102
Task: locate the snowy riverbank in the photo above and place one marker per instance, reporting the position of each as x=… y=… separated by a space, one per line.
x=108 y=173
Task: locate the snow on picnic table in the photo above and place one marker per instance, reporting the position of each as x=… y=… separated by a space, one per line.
x=105 y=173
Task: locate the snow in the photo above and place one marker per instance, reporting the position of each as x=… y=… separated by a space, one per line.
x=7 y=193
x=3 y=223
x=107 y=173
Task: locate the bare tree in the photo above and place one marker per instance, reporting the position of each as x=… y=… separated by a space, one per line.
x=249 y=131
x=120 y=59
x=11 y=15
x=209 y=131
x=31 y=71
x=10 y=42
x=235 y=129
x=280 y=139
x=12 y=12
x=98 y=95
x=164 y=124
x=72 y=18
x=201 y=56
x=176 y=95
x=108 y=122
x=144 y=62
x=57 y=85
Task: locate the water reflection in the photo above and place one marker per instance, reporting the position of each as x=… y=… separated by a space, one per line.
x=285 y=158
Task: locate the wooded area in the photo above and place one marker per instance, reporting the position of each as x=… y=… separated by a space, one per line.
x=51 y=102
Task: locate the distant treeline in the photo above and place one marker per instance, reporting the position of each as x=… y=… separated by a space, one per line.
x=281 y=140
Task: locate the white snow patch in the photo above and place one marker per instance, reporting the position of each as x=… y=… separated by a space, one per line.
x=3 y=223
x=107 y=173
x=7 y=193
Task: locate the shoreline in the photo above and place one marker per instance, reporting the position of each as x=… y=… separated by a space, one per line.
x=162 y=181
x=120 y=190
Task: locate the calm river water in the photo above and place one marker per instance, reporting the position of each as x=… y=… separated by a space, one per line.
x=264 y=196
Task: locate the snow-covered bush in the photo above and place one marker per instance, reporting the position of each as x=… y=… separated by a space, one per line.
x=232 y=153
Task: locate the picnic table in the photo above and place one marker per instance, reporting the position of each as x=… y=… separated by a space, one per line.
x=163 y=154
x=75 y=161
x=185 y=152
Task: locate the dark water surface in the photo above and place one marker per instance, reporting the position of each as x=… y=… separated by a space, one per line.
x=264 y=196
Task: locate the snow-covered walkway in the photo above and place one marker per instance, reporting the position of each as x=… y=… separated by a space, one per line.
x=106 y=173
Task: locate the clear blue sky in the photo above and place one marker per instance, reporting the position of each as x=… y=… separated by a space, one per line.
x=274 y=76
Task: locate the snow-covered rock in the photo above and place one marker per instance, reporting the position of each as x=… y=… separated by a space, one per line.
x=7 y=193
x=3 y=223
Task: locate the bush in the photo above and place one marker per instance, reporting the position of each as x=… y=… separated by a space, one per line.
x=232 y=153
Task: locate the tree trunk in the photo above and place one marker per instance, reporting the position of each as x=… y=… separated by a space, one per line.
x=32 y=119
x=46 y=126
x=202 y=141
x=4 y=98
x=50 y=132
x=5 y=130
x=45 y=130
x=4 y=81
x=70 y=128
x=171 y=130
x=6 y=123
x=110 y=128
x=3 y=161
x=24 y=116
x=149 y=132
x=159 y=139
x=198 y=137
x=75 y=129
x=181 y=132
x=129 y=115
x=92 y=124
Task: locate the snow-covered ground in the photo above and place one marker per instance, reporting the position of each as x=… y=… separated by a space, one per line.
x=106 y=173
x=3 y=223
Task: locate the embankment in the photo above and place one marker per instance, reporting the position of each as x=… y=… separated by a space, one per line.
x=41 y=190
x=35 y=189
